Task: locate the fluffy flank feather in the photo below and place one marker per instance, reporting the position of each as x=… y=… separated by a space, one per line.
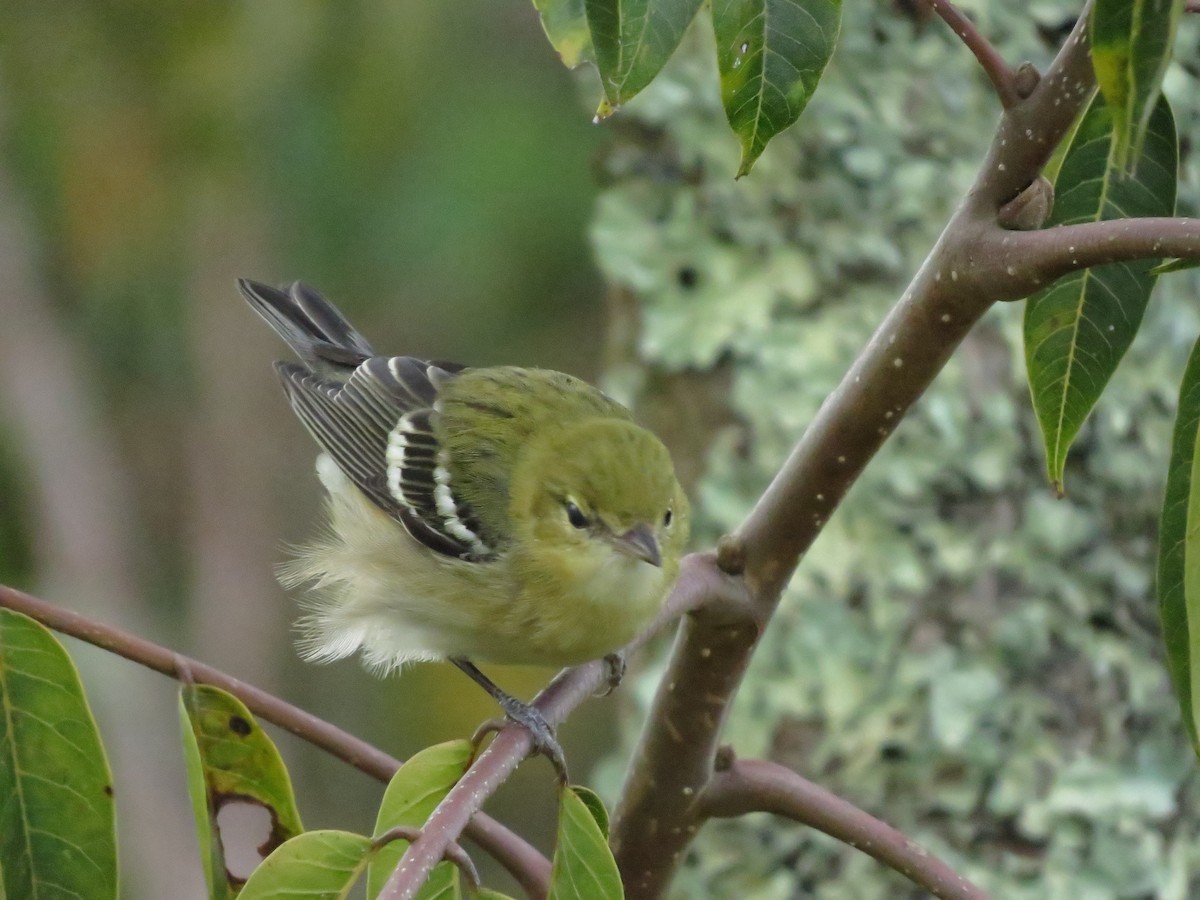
x=351 y=603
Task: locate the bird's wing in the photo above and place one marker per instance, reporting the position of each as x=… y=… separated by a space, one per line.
x=380 y=427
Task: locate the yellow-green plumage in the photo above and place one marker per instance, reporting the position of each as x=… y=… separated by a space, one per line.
x=557 y=522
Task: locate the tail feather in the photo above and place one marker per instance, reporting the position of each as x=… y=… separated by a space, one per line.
x=312 y=326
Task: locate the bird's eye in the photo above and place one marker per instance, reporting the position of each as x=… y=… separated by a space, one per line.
x=575 y=516
x=668 y=517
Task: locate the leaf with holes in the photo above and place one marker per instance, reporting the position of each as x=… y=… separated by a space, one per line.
x=1132 y=42
x=231 y=760
x=632 y=40
x=1179 y=552
x=57 y=834
x=565 y=24
x=212 y=856
x=411 y=796
x=771 y=54
x=313 y=864
x=583 y=867
x=1077 y=330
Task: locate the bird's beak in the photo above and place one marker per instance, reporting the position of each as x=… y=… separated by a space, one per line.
x=640 y=543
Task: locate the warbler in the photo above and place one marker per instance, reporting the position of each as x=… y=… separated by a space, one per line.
x=496 y=515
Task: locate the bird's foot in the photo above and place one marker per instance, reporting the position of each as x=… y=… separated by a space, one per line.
x=531 y=719
x=616 y=672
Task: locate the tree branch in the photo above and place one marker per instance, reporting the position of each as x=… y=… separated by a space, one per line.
x=657 y=815
x=699 y=579
x=756 y=785
x=1030 y=131
x=993 y=64
x=523 y=861
x=454 y=852
x=678 y=749
x=1036 y=258
x=953 y=288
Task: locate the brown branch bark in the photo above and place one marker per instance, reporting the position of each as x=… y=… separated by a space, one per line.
x=454 y=852
x=953 y=288
x=526 y=864
x=1035 y=258
x=990 y=60
x=756 y=785
x=658 y=813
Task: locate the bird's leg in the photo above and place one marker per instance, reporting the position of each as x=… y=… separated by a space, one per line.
x=529 y=717
x=616 y=671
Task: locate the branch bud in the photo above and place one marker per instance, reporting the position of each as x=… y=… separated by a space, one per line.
x=1029 y=209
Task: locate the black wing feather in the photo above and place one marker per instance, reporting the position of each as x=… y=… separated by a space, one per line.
x=352 y=429
x=354 y=423
x=312 y=326
x=376 y=416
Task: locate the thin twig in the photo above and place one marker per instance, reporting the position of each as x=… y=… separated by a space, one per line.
x=1033 y=259
x=526 y=864
x=756 y=785
x=454 y=851
x=993 y=64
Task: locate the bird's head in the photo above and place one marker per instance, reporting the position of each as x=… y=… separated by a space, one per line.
x=603 y=493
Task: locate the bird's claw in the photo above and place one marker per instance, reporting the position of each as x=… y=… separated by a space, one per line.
x=616 y=672
x=531 y=719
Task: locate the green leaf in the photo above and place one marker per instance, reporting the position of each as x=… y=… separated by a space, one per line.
x=771 y=54
x=565 y=24
x=583 y=868
x=57 y=826
x=411 y=796
x=1179 y=552
x=1054 y=163
x=595 y=806
x=1077 y=330
x=315 y=865
x=230 y=759
x=632 y=40
x=1175 y=265
x=1132 y=41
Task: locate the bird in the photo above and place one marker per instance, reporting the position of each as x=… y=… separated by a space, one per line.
x=501 y=514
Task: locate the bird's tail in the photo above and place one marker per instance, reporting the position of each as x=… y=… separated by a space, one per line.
x=312 y=326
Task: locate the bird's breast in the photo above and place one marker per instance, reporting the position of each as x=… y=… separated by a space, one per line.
x=584 y=607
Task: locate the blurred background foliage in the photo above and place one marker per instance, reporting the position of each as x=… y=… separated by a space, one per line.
x=427 y=165
x=961 y=654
